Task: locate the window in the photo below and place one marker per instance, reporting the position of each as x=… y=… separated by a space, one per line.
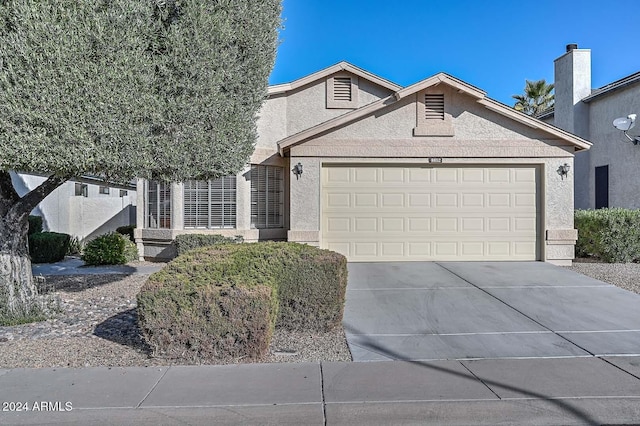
x=81 y=190
x=342 y=91
x=103 y=190
x=267 y=197
x=158 y=204
x=602 y=187
x=210 y=204
x=123 y=193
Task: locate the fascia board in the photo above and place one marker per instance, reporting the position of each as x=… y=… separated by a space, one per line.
x=319 y=75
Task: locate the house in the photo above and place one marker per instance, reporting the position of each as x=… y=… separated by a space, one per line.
x=84 y=207
x=351 y=162
x=605 y=175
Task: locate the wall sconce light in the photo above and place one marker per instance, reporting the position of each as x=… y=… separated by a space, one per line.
x=297 y=170
x=563 y=170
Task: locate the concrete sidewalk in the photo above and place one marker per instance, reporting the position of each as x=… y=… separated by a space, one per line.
x=587 y=390
x=75 y=266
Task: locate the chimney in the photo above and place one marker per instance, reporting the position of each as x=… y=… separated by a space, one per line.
x=572 y=84
x=571 y=47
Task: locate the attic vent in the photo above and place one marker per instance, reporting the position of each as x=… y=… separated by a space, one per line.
x=342 y=89
x=434 y=106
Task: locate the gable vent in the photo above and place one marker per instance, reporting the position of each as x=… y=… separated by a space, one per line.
x=434 y=106
x=342 y=89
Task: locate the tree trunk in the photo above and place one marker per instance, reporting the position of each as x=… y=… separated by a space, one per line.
x=18 y=292
x=19 y=301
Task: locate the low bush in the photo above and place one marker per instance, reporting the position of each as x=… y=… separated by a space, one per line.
x=110 y=249
x=35 y=225
x=128 y=231
x=186 y=242
x=75 y=247
x=223 y=301
x=612 y=235
x=48 y=247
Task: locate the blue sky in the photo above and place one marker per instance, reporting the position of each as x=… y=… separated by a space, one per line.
x=492 y=44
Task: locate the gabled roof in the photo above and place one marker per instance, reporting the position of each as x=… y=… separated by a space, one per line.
x=440 y=78
x=340 y=66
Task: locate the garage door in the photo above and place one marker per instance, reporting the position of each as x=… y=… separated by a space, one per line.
x=431 y=213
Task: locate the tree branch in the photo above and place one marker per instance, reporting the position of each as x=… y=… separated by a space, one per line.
x=27 y=203
x=8 y=194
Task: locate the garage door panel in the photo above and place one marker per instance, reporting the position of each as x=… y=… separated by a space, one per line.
x=426 y=213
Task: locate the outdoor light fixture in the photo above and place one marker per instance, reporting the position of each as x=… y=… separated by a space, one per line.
x=563 y=170
x=626 y=124
x=297 y=170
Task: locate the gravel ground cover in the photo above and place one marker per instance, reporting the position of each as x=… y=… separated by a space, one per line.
x=97 y=326
x=623 y=275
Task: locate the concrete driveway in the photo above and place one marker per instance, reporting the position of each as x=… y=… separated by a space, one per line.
x=479 y=310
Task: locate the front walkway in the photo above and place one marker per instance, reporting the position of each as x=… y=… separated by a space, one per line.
x=75 y=266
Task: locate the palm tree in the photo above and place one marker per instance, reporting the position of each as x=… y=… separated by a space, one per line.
x=537 y=97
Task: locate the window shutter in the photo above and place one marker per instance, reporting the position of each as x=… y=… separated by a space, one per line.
x=158 y=204
x=267 y=197
x=434 y=106
x=342 y=89
x=210 y=204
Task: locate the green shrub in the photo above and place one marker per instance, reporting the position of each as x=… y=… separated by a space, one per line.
x=128 y=231
x=110 y=249
x=223 y=301
x=35 y=225
x=48 y=247
x=613 y=235
x=75 y=247
x=186 y=242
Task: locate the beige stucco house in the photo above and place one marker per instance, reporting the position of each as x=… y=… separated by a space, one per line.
x=349 y=161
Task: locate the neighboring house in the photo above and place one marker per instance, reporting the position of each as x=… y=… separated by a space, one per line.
x=607 y=175
x=348 y=161
x=83 y=208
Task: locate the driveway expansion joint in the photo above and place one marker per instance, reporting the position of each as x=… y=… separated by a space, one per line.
x=619 y=368
x=153 y=387
x=324 y=402
x=480 y=380
x=515 y=309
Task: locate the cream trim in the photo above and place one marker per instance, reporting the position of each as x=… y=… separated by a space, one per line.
x=340 y=66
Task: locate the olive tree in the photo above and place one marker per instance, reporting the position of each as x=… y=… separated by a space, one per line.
x=160 y=89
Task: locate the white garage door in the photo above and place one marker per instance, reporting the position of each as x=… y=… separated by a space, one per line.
x=372 y=213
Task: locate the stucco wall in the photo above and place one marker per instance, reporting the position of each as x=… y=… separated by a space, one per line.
x=307 y=106
x=83 y=217
x=612 y=148
x=471 y=121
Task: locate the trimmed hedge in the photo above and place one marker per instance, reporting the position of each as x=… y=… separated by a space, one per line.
x=110 y=249
x=35 y=225
x=186 y=242
x=128 y=231
x=223 y=301
x=48 y=247
x=613 y=235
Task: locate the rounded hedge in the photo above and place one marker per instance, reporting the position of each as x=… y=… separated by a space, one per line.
x=223 y=301
x=110 y=249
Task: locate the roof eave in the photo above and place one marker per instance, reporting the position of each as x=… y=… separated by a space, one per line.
x=340 y=66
